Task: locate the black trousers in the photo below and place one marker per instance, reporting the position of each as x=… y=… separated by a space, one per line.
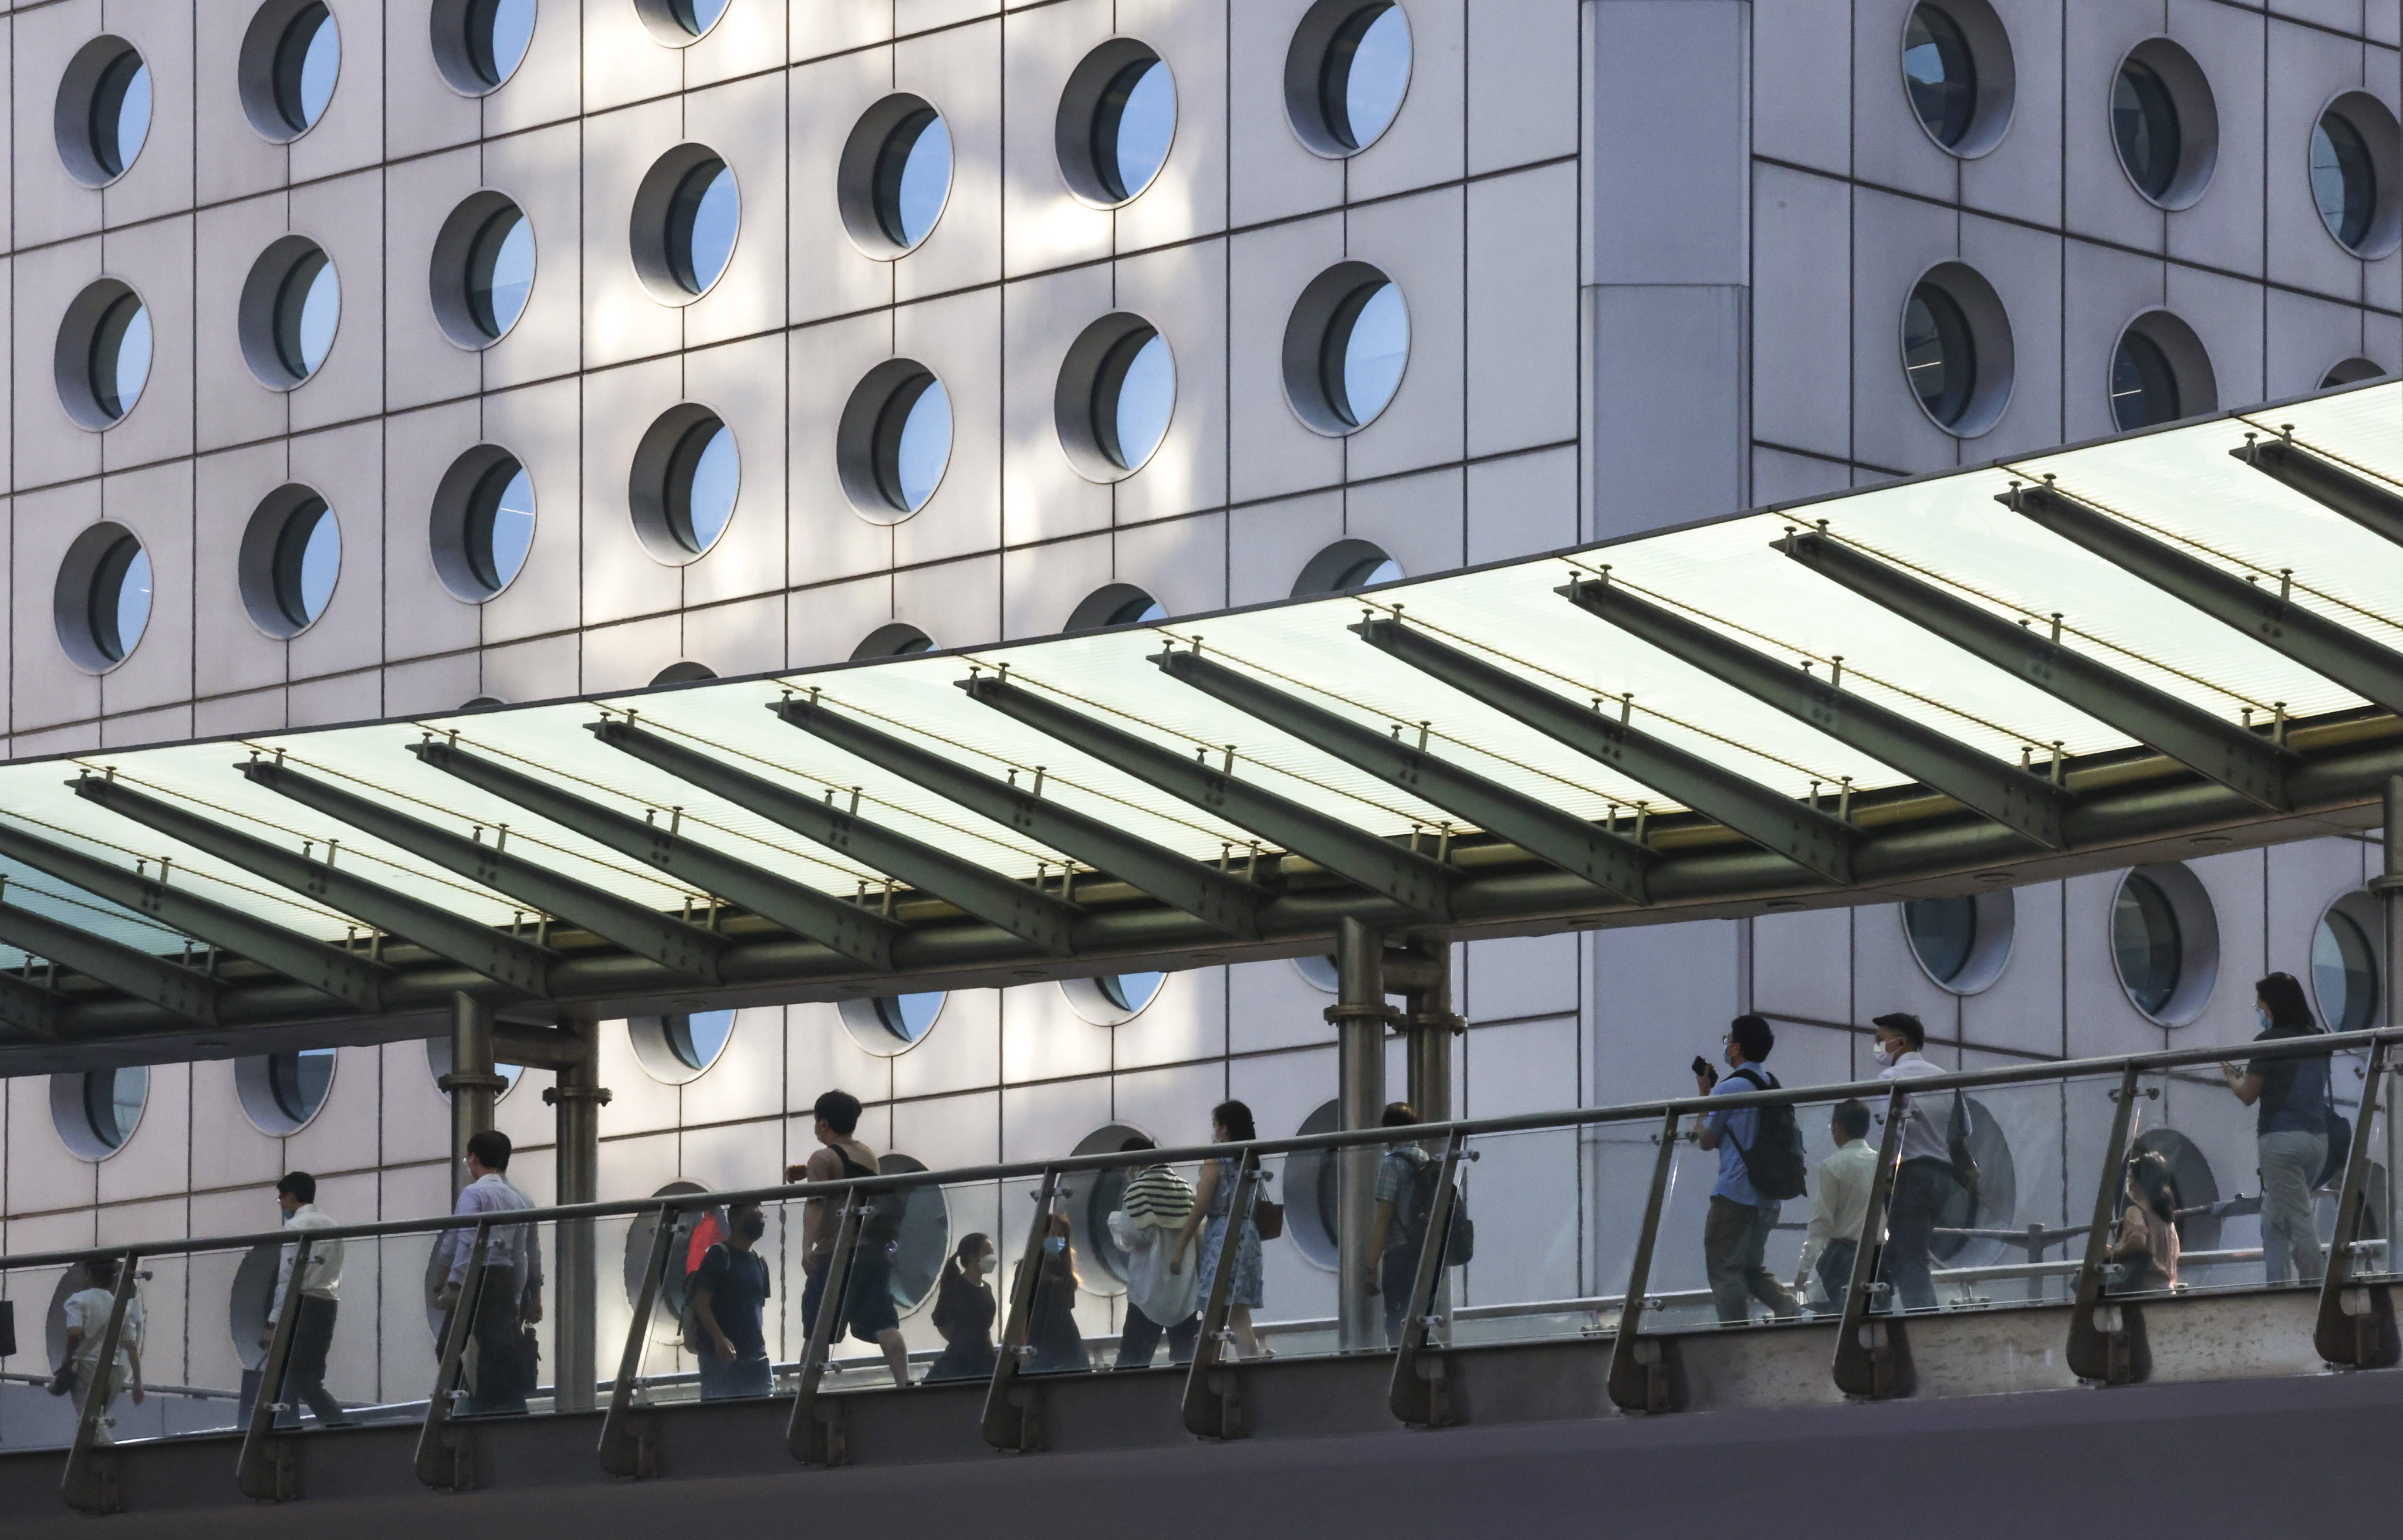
x=504 y=1360
x=1835 y=1270
x=304 y=1372
x=1139 y=1339
x=1921 y=1187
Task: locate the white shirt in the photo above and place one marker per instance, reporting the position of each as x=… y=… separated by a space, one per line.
x=1929 y=1135
x=86 y=1310
x=1165 y=1297
x=1842 y=1200
x=505 y=1245
x=323 y=1279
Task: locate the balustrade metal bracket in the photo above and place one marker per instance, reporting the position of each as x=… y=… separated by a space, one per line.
x=2355 y=1328
x=91 y=1482
x=630 y=1441
x=2107 y=1340
x=1646 y=1374
x=1422 y=1393
x=816 y=1437
x=1214 y=1395
x=1014 y=1414
x=268 y=1469
x=445 y=1457
x=1873 y=1359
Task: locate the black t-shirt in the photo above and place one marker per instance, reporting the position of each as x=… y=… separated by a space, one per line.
x=737 y=1282
x=2293 y=1092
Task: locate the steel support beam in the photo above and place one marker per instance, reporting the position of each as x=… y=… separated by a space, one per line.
x=473 y=1084
x=1360 y=1017
x=1211 y=897
x=1790 y=829
x=578 y=1096
x=355 y=981
x=1995 y=788
x=1019 y=908
x=2375 y=506
x=861 y=935
x=496 y=954
x=31 y=1012
x=1610 y=862
x=1415 y=881
x=2247 y=763
x=169 y=986
x=2368 y=669
x=663 y=938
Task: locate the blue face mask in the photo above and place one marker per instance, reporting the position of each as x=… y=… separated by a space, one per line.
x=2261 y=1014
x=1055 y=1244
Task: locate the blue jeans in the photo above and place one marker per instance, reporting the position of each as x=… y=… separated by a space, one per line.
x=749 y=1375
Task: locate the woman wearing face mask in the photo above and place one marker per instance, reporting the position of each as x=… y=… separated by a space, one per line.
x=2292 y=1130
x=1051 y=1327
x=963 y=1312
x=729 y=1293
x=1214 y=1200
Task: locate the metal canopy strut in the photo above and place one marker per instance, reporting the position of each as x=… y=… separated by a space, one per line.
x=1610 y=862
x=498 y=956
x=1018 y=907
x=645 y=932
x=859 y=933
x=172 y=988
x=2003 y=792
x=2376 y=507
x=1409 y=879
x=30 y=1011
x=1810 y=837
x=355 y=981
x=1215 y=898
x=2244 y=762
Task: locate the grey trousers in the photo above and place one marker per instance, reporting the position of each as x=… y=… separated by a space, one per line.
x=1735 y=1236
x=2290 y=1162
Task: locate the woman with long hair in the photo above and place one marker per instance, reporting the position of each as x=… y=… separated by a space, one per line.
x=2147 y=1247
x=965 y=1311
x=2291 y=1133
x=1230 y=1123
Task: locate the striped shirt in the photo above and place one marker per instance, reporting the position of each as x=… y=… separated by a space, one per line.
x=1156 y=1196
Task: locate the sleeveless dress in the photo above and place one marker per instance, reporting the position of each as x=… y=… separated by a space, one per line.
x=1247 y=1287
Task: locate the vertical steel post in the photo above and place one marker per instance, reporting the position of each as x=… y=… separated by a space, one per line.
x=443 y=1460
x=1359 y=1015
x=2388 y=886
x=1417 y=1391
x=816 y=1440
x=89 y=1484
x=2107 y=1342
x=473 y=1082
x=1012 y=1419
x=579 y=1098
x=1213 y=1403
x=1873 y=1357
x=1645 y=1372
x=627 y=1448
x=264 y=1470
x=2356 y=1327
x=1430 y=1025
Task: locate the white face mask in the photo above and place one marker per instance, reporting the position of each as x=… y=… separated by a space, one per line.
x=1884 y=1055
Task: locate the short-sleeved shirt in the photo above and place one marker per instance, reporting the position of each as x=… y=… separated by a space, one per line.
x=2293 y=1092
x=737 y=1282
x=1737 y=1128
x=87 y=1309
x=1398 y=1174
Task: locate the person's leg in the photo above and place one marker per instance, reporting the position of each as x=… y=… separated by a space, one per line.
x=304 y=1377
x=1239 y=1320
x=1138 y=1339
x=715 y=1373
x=754 y=1376
x=2290 y=1159
x=1764 y=1285
x=491 y=1326
x=812 y=1293
x=1911 y=1229
x=1398 y=1274
x=897 y=1354
x=1835 y=1271
x=1181 y=1338
x=1724 y=1232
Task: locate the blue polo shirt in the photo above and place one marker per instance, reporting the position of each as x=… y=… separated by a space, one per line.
x=1737 y=1128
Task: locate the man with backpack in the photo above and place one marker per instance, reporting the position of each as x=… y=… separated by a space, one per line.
x=727 y=1307
x=1407 y=1178
x=1761 y=1165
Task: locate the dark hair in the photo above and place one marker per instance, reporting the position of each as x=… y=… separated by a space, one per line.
x=1398 y=1114
x=298 y=1184
x=1136 y=1141
x=2148 y=1173
x=838 y=1110
x=2289 y=1011
x=1236 y=1119
x=102 y=1270
x=948 y=1293
x=1853 y=1116
x=491 y=1148
x=1912 y=1029
x=1752 y=1035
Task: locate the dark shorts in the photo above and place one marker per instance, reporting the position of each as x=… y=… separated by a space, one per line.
x=868 y=1296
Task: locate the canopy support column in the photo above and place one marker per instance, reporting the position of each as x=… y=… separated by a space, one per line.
x=1360 y=1015
x=578 y=1097
x=472 y=1083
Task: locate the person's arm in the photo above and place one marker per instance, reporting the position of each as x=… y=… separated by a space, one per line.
x=702 y=1298
x=133 y=1361
x=1712 y=1127
x=462 y=1243
x=1822 y=1222
x=1377 y=1242
x=1203 y=1191
x=2246 y=1084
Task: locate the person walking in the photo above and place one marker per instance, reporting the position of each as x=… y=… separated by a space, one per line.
x=2146 y=1248
x=865 y=1310
x=1212 y=1217
x=1054 y=1342
x=87 y=1311
x=1735 y=1235
x=2290 y=1130
x=965 y=1311
x=1924 y=1180
x=729 y=1297
x=1149 y=1226
x=1832 y=1242
x=312 y=1328
x=1404 y=1196
x=508 y=1302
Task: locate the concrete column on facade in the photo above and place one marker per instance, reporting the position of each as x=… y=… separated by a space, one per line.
x=579 y=1098
x=473 y=1084
x=1360 y=1016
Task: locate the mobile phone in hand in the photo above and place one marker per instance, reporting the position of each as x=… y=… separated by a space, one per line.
x=1702 y=1070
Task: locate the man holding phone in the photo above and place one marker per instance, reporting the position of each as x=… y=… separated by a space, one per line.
x=1735 y=1237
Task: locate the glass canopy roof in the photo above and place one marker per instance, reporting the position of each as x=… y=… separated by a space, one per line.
x=1678 y=755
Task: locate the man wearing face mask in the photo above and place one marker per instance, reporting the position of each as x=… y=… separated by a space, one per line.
x=1736 y=1231
x=1923 y=1181
x=730 y=1295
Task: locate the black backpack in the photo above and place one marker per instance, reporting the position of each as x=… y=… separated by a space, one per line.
x=1774 y=1162
x=1415 y=1206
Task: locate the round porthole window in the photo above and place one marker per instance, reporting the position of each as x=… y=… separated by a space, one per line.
x=697 y=1228
x=896 y=175
x=1346 y=568
x=2160 y=373
x=482 y=271
x=291 y=307
x=1116 y=604
x=688 y=212
x=1962 y=943
x=102 y=603
x=2164 y=123
x=1956 y=350
x=2344 y=963
x=1346 y=345
x=2354 y=173
x=438 y=1061
x=478 y=43
x=281 y=1092
x=1310 y=1192
x=677 y=22
x=2352 y=371
x=687 y=474
x=101 y=116
x=894 y=440
x=1089 y=1198
x=1992 y=1205
x=888 y=1024
x=482 y=523
x=921 y=1240
x=103 y=357
x=1117 y=119
x=1116 y=394
x=1957 y=72
x=678 y=1048
x=97 y=1111
x=290 y=59
x=1319 y=973
x=2165 y=941
x=1113 y=998
x=684 y=671
x=291 y=556
x=900 y=639
x=1346 y=72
